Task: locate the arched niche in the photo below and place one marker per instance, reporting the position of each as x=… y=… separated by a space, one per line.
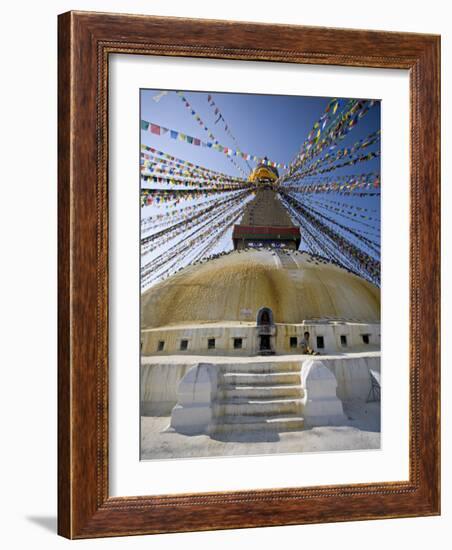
x=264 y=317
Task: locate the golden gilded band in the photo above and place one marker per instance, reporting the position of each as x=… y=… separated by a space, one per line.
x=263 y=173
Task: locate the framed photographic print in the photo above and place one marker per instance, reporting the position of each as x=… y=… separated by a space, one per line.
x=248 y=275
x=242 y=283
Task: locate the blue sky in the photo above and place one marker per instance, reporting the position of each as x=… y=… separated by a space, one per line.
x=264 y=125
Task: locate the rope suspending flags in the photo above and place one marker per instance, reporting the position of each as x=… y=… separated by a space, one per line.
x=164 y=158
x=328 y=135
x=205 y=128
x=219 y=117
x=158 y=130
x=331 y=190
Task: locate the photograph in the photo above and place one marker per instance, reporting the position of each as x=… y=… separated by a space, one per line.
x=233 y=231
x=259 y=274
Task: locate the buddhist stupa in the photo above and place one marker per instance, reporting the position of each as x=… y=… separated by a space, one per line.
x=263 y=296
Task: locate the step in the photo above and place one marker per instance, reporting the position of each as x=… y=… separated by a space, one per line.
x=257 y=407
x=279 y=424
x=286 y=260
x=254 y=379
x=228 y=392
x=260 y=367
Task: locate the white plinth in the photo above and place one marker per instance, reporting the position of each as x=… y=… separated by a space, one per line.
x=321 y=406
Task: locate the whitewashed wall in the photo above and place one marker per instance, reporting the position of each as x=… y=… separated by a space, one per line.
x=197 y=338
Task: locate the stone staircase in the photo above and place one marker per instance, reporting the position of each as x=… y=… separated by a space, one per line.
x=258 y=396
x=286 y=259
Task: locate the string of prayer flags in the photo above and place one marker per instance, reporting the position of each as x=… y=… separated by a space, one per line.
x=174 y=176
x=163 y=168
x=351 y=162
x=150 y=153
x=219 y=116
x=347 y=152
x=336 y=131
x=346 y=214
x=188 y=222
x=185 y=183
x=352 y=207
x=199 y=120
x=160 y=196
x=160 y=218
x=193 y=238
x=335 y=187
x=159 y=96
x=374 y=246
x=190 y=207
x=308 y=180
x=367 y=264
x=175 y=134
x=327 y=119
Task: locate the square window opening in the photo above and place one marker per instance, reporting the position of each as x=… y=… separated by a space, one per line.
x=293 y=341
x=161 y=345
x=343 y=340
x=366 y=338
x=320 y=342
x=238 y=342
x=183 y=345
x=211 y=343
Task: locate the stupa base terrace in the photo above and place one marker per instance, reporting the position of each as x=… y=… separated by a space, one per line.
x=257 y=349
x=259 y=405
x=248 y=338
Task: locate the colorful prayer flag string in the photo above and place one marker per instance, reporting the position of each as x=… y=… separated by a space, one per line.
x=158 y=130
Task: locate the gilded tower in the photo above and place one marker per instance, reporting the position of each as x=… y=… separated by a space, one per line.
x=265 y=222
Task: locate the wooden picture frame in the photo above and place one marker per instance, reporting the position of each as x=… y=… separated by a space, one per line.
x=86 y=40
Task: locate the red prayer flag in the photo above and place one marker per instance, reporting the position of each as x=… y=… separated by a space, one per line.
x=155 y=129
